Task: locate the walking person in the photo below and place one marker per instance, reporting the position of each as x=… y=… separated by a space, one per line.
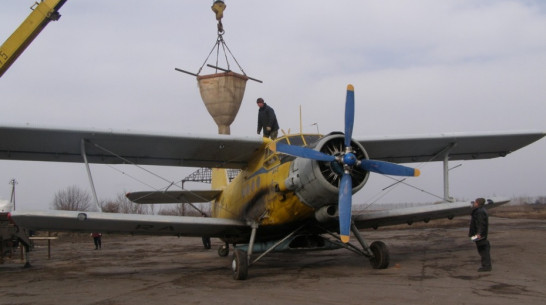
x=97 y=240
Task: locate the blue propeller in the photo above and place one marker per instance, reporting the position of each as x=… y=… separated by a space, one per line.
x=348 y=160
x=303 y=152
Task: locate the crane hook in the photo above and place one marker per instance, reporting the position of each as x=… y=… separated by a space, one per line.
x=218 y=8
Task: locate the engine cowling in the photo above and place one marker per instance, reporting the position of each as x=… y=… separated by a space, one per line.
x=316 y=183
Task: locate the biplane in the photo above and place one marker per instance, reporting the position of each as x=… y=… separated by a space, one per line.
x=292 y=193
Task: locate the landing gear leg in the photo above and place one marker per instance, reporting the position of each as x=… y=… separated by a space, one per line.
x=252 y=238
x=377 y=252
x=27 y=260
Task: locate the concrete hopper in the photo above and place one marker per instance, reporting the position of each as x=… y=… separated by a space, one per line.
x=222 y=94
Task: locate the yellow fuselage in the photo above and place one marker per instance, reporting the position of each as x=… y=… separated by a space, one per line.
x=254 y=194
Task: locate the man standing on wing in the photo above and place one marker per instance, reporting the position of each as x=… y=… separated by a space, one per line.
x=267 y=120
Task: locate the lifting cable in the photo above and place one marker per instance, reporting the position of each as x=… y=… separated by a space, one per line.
x=218 y=8
x=220 y=42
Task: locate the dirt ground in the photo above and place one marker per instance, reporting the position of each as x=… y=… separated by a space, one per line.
x=429 y=265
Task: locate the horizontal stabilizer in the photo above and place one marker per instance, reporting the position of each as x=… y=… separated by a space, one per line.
x=174 y=196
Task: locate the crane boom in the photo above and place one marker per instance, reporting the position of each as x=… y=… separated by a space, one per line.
x=42 y=13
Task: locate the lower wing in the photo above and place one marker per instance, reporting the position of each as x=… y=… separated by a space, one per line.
x=75 y=221
x=421 y=213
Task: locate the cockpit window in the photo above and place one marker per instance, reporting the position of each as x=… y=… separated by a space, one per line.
x=312 y=138
x=283 y=140
x=298 y=140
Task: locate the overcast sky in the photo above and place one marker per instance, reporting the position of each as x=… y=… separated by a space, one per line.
x=418 y=67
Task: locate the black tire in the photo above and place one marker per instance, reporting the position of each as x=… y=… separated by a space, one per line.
x=223 y=251
x=381 y=257
x=239 y=265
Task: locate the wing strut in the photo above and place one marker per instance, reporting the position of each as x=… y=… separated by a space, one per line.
x=446 y=152
x=89 y=175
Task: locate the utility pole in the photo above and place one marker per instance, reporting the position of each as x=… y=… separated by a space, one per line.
x=13 y=182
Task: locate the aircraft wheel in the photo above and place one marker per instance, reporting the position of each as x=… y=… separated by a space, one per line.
x=381 y=255
x=223 y=251
x=239 y=265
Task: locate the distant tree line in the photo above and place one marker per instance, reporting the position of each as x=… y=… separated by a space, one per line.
x=529 y=200
x=74 y=198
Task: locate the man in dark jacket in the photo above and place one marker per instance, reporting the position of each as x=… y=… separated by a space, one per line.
x=478 y=233
x=267 y=120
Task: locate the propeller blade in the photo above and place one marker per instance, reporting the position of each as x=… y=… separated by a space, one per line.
x=349 y=114
x=347 y=160
x=303 y=152
x=345 y=198
x=388 y=168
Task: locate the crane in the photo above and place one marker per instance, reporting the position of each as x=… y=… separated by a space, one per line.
x=42 y=13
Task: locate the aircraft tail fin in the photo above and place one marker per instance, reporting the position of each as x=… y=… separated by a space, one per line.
x=219 y=178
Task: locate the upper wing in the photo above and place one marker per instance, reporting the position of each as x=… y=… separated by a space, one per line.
x=420 y=213
x=461 y=146
x=64 y=145
x=173 y=196
x=74 y=221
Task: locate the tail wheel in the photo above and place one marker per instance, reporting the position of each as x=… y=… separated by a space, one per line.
x=223 y=251
x=381 y=258
x=239 y=265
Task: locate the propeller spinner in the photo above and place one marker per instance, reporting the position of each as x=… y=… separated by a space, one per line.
x=348 y=161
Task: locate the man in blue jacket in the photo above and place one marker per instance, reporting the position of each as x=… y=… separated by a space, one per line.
x=479 y=225
x=267 y=120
